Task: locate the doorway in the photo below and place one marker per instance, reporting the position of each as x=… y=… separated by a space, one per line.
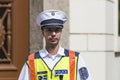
x=14 y=37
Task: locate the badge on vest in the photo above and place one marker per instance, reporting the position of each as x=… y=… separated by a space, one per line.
x=44 y=77
x=42 y=72
x=83 y=73
x=61 y=72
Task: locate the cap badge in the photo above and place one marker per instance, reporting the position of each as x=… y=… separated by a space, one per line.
x=52 y=13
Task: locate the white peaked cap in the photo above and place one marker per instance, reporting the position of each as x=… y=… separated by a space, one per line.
x=51 y=17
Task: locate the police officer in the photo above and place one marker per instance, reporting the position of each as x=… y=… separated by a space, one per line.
x=54 y=62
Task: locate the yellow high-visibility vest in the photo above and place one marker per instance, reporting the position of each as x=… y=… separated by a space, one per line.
x=65 y=69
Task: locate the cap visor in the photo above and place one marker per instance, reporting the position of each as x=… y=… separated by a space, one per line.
x=53 y=26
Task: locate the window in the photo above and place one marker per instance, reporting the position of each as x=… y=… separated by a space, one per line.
x=5 y=32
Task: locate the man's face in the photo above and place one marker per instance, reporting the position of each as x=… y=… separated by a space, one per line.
x=52 y=35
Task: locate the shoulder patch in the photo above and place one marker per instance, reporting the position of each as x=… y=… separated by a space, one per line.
x=83 y=73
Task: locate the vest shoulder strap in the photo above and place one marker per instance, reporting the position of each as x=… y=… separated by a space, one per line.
x=66 y=52
x=71 y=54
x=72 y=64
x=32 y=66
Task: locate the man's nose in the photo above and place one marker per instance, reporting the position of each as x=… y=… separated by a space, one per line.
x=53 y=33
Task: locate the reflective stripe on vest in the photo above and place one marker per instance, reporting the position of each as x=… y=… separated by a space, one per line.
x=72 y=64
x=71 y=67
x=32 y=67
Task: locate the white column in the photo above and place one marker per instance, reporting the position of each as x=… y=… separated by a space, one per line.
x=92 y=34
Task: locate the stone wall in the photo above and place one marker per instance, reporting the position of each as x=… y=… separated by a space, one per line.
x=36 y=39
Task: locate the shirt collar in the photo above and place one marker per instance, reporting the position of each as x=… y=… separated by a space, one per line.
x=44 y=52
